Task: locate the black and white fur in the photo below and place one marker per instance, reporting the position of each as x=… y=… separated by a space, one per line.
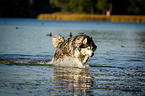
x=80 y=48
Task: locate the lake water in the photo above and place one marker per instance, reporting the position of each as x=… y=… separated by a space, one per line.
x=116 y=69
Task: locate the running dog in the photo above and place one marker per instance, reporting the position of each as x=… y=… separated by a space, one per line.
x=80 y=48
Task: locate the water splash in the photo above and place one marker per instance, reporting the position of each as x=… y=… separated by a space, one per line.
x=60 y=62
x=69 y=62
x=26 y=62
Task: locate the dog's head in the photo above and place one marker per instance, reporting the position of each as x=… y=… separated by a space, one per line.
x=88 y=47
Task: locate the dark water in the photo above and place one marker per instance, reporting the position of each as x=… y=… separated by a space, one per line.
x=117 y=68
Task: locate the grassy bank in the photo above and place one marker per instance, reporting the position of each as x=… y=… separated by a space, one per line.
x=91 y=17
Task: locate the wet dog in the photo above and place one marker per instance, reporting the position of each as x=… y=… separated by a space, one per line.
x=80 y=48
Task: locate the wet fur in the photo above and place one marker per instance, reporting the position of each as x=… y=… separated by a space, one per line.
x=79 y=47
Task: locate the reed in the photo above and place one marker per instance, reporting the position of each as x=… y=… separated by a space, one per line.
x=91 y=17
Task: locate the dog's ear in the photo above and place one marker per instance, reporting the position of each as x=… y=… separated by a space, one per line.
x=85 y=41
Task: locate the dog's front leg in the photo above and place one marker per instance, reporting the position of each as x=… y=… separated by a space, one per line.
x=85 y=59
x=79 y=63
x=77 y=60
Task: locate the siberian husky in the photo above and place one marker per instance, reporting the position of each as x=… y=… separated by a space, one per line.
x=79 y=48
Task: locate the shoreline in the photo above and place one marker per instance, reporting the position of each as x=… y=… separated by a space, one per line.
x=92 y=17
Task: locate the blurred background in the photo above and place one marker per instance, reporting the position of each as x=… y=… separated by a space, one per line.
x=32 y=8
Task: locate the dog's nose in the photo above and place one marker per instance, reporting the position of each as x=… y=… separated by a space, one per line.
x=92 y=54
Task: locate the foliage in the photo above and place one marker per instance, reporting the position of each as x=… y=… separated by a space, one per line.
x=63 y=4
x=31 y=8
x=136 y=6
x=74 y=6
x=102 y=5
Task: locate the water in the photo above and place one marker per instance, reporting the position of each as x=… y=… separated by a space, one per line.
x=117 y=68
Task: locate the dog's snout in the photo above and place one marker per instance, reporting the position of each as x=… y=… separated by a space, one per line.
x=92 y=54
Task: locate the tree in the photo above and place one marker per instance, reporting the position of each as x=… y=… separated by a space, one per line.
x=63 y=4
x=103 y=5
x=75 y=6
x=136 y=6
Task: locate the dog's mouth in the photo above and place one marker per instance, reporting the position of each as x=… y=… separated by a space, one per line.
x=90 y=55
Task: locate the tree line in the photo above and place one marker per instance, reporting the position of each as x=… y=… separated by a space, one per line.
x=135 y=7
x=31 y=8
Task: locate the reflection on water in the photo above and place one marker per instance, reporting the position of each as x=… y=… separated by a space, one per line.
x=71 y=80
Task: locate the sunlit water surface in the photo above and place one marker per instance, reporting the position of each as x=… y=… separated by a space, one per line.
x=117 y=68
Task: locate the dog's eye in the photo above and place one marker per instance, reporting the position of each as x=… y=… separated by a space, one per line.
x=84 y=46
